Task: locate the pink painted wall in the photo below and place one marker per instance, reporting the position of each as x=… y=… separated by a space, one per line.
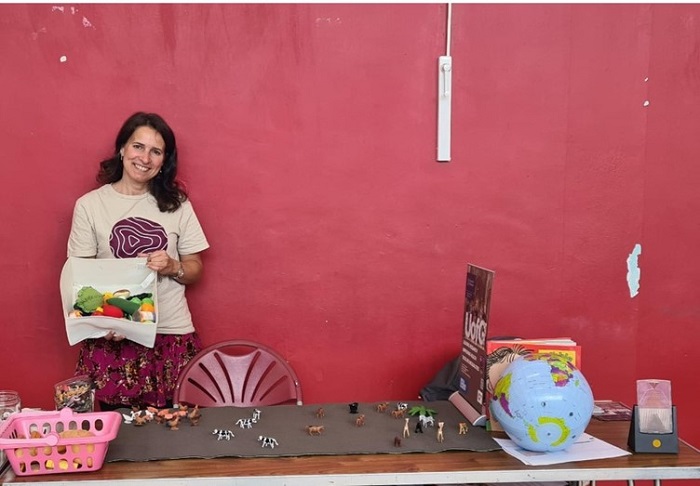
x=307 y=137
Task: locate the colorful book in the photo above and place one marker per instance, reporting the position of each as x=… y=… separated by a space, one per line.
x=501 y=352
x=610 y=410
x=472 y=364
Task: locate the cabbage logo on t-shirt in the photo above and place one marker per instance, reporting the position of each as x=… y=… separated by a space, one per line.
x=132 y=236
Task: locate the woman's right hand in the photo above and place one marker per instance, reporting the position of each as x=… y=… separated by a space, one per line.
x=113 y=336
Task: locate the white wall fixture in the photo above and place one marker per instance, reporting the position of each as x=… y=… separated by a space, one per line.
x=444 y=123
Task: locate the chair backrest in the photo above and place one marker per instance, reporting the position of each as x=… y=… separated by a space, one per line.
x=237 y=373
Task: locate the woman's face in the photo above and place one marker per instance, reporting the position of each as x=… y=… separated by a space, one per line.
x=143 y=155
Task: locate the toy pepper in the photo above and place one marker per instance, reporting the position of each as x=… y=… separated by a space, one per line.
x=109 y=310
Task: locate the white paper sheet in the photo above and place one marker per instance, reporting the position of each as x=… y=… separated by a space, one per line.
x=586 y=448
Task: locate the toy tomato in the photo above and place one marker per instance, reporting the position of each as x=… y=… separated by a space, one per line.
x=112 y=311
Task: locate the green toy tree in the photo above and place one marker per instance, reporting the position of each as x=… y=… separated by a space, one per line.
x=422 y=411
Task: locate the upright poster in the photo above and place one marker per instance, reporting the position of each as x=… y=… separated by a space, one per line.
x=472 y=366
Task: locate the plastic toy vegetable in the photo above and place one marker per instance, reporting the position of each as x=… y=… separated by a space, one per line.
x=119 y=304
x=128 y=306
x=112 y=311
x=88 y=300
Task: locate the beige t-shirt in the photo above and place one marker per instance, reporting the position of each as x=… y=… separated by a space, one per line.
x=107 y=224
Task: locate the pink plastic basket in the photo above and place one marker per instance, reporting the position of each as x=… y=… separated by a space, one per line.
x=63 y=447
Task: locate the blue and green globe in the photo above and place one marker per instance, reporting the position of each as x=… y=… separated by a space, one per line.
x=543 y=402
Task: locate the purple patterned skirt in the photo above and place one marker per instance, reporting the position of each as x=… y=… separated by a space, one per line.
x=126 y=373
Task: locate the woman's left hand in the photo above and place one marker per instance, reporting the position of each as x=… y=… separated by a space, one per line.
x=161 y=262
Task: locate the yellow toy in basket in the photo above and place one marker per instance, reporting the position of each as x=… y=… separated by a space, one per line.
x=49 y=442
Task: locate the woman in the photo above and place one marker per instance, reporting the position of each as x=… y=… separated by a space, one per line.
x=142 y=211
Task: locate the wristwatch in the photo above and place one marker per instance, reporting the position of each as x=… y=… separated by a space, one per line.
x=180 y=272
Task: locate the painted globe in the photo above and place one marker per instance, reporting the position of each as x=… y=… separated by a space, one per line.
x=543 y=402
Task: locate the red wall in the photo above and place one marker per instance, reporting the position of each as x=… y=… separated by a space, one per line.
x=307 y=139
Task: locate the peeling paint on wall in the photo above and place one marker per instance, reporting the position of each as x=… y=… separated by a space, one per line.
x=633 y=271
x=61 y=8
x=73 y=11
x=328 y=21
x=35 y=35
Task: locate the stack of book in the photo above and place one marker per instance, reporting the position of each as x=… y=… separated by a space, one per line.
x=501 y=352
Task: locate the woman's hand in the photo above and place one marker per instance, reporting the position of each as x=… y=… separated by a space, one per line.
x=113 y=336
x=161 y=262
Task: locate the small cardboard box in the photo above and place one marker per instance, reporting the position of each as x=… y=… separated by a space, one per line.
x=107 y=275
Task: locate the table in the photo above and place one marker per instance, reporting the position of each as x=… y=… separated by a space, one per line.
x=385 y=469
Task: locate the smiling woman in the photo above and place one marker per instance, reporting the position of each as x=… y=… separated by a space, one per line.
x=142 y=211
x=142 y=157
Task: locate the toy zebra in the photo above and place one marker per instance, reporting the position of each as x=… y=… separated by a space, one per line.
x=268 y=442
x=223 y=434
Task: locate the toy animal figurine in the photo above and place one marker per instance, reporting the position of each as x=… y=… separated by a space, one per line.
x=406 y=432
x=427 y=421
x=194 y=415
x=315 y=429
x=397 y=441
x=167 y=414
x=320 y=412
x=398 y=413
x=360 y=420
x=256 y=415
x=154 y=413
x=138 y=417
x=463 y=428
x=173 y=422
x=353 y=407
x=164 y=415
x=160 y=415
x=223 y=434
x=245 y=423
x=381 y=407
x=141 y=417
x=440 y=433
x=270 y=442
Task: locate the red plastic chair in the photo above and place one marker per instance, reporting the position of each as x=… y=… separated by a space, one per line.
x=237 y=373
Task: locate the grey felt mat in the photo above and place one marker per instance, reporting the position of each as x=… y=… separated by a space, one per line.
x=287 y=424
